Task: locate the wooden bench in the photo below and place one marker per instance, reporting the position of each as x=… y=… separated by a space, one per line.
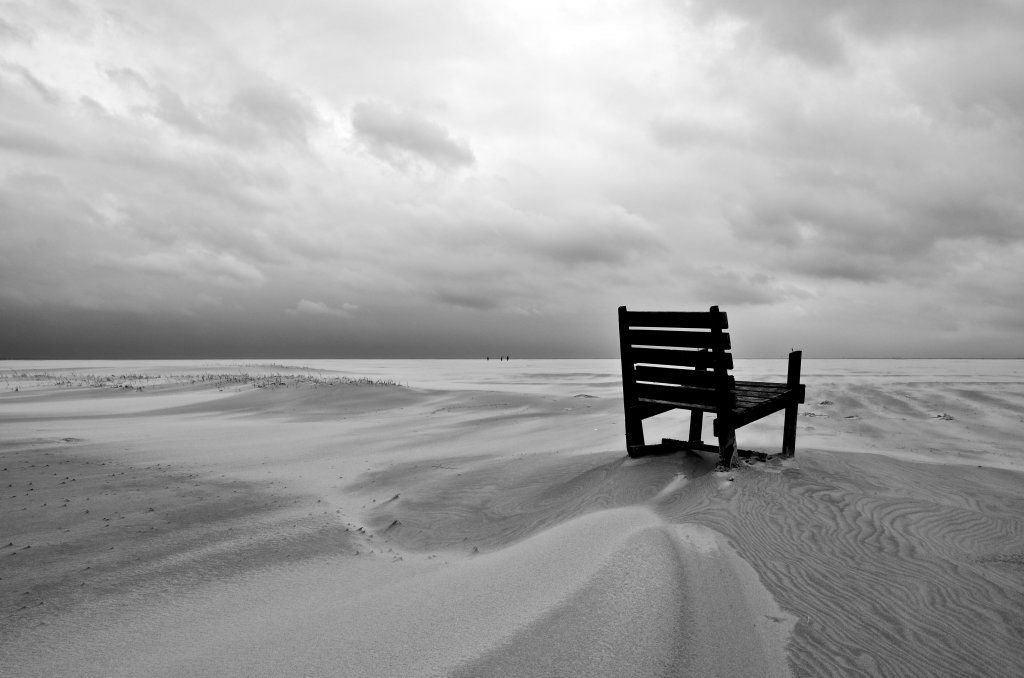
x=681 y=361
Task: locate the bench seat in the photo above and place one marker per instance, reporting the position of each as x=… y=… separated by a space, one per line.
x=751 y=397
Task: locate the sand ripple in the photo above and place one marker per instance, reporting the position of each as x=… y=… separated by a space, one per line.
x=889 y=567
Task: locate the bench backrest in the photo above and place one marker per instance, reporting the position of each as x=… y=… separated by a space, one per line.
x=675 y=357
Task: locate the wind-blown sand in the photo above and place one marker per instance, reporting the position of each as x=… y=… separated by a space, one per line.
x=483 y=520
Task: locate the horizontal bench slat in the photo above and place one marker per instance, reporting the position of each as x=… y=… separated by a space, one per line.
x=742 y=405
x=668 y=375
x=686 y=395
x=746 y=402
x=742 y=401
x=679 y=339
x=643 y=410
x=764 y=389
x=703 y=407
x=688 y=319
x=761 y=387
x=660 y=356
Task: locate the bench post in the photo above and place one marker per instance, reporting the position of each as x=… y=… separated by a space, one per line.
x=634 y=423
x=789 y=426
x=724 y=393
x=697 y=416
x=696 y=424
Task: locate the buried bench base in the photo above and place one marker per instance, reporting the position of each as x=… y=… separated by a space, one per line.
x=671 y=446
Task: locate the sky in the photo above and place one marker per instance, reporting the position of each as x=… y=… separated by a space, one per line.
x=330 y=178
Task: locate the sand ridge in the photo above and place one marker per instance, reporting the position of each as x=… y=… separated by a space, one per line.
x=356 y=530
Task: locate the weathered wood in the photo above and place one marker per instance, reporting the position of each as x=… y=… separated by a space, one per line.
x=681 y=319
x=675 y=376
x=681 y=339
x=793 y=369
x=746 y=390
x=685 y=445
x=661 y=356
x=789 y=425
x=684 y=396
x=668 y=375
x=726 y=443
x=648 y=410
x=761 y=393
x=696 y=425
x=769 y=390
x=634 y=424
x=743 y=415
x=696 y=435
x=744 y=401
x=725 y=401
x=676 y=405
x=762 y=387
x=688 y=445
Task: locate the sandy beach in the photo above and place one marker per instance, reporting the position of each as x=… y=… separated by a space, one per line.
x=472 y=518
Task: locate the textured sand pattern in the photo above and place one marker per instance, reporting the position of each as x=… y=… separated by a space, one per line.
x=231 y=520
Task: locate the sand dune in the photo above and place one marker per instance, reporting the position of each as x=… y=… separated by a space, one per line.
x=234 y=526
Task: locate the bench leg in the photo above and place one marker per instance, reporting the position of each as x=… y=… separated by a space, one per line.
x=634 y=435
x=726 y=444
x=789 y=427
x=696 y=422
x=789 y=432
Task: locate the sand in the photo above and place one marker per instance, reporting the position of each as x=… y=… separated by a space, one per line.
x=471 y=519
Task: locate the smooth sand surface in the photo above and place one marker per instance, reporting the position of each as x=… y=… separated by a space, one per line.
x=246 y=519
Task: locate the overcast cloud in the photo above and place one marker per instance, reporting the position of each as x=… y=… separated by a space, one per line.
x=403 y=178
